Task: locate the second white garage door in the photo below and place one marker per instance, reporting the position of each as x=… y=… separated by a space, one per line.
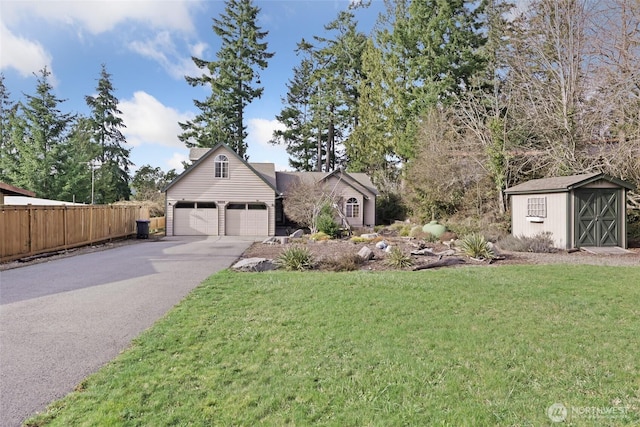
x=195 y=219
x=247 y=219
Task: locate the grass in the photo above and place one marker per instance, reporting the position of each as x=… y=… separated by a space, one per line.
x=453 y=347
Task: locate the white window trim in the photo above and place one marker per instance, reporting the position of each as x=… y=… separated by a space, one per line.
x=221 y=163
x=354 y=204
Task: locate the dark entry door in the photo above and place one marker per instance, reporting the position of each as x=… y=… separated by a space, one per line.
x=597 y=218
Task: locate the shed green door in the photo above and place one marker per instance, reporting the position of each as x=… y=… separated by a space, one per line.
x=597 y=219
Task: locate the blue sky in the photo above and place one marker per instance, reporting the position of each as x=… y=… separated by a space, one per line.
x=147 y=47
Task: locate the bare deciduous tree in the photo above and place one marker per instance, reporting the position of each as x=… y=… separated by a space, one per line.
x=305 y=200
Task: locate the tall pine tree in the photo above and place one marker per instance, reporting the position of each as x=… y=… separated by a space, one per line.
x=298 y=136
x=234 y=79
x=112 y=176
x=8 y=117
x=40 y=145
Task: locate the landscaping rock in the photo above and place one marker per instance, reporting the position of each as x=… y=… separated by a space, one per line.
x=270 y=241
x=388 y=249
x=254 y=264
x=284 y=240
x=381 y=245
x=297 y=234
x=369 y=236
x=365 y=253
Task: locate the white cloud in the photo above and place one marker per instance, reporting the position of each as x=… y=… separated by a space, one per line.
x=260 y=131
x=23 y=55
x=175 y=162
x=101 y=16
x=162 y=49
x=148 y=121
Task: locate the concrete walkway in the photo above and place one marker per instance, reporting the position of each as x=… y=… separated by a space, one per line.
x=64 y=319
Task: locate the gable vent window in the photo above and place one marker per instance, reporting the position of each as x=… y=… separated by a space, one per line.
x=352 y=208
x=221 y=166
x=537 y=207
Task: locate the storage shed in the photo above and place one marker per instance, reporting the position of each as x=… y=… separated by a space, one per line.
x=578 y=211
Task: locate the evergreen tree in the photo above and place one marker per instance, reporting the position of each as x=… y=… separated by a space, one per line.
x=296 y=116
x=8 y=117
x=336 y=100
x=112 y=177
x=40 y=143
x=368 y=147
x=234 y=79
x=78 y=179
x=322 y=102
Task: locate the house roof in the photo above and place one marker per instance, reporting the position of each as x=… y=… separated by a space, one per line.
x=197 y=152
x=360 y=181
x=281 y=181
x=10 y=190
x=561 y=184
x=265 y=175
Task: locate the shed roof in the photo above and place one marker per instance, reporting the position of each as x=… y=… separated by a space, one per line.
x=559 y=184
x=11 y=190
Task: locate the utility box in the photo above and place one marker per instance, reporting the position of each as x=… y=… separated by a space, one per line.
x=143 y=228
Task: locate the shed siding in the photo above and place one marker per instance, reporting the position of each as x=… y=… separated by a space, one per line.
x=243 y=185
x=555 y=221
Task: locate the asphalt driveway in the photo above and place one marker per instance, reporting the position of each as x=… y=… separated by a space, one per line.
x=64 y=319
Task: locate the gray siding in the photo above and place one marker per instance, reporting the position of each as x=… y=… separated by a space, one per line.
x=243 y=185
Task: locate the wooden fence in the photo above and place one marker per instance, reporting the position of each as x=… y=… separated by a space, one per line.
x=30 y=230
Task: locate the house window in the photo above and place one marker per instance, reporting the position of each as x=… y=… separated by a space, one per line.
x=352 y=208
x=221 y=166
x=537 y=207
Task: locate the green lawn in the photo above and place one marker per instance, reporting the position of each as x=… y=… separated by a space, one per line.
x=454 y=347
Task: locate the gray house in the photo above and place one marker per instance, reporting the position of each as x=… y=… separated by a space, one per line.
x=222 y=194
x=578 y=210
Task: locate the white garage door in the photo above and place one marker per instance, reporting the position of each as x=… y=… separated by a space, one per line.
x=247 y=219
x=195 y=219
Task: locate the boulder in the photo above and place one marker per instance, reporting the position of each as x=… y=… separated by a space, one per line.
x=270 y=241
x=365 y=253
x=381 y=244
x=254 y=264
x=296 y=234
x=388 y=249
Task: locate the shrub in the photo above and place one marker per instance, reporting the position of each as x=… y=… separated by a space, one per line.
x=359 y=239
x=540 y=243
x=295 y=258
x=476 y=246
x=319 y=236
x=397 y=259
x=327 y=225
x=350 y=262
x=405 y=230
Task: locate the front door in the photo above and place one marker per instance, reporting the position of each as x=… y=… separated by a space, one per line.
x=597 y=222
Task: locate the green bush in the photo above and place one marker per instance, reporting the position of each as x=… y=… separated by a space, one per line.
x=319 y=236
x=327 y=225
x=476 y=246
x=397 y=259
x=295 y=258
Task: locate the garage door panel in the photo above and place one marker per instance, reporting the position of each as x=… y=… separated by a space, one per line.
x=195 y=221
x=247 y=219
